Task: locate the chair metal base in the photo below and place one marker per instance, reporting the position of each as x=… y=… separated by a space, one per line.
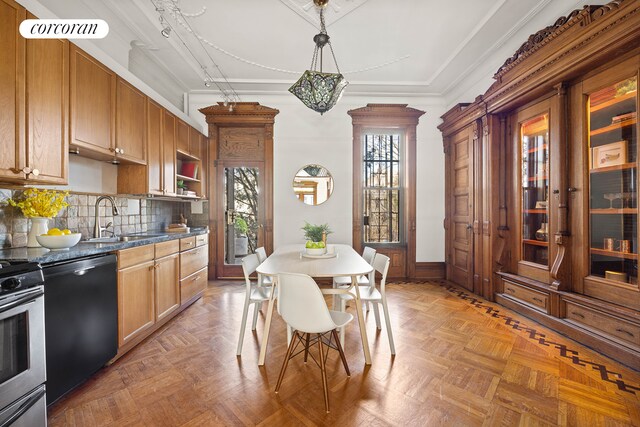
x=307 y=341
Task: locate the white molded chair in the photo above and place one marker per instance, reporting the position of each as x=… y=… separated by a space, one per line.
x=345 y=281
x=262 y=255
x=255 y=295
x=303 y=308
x=369 y=293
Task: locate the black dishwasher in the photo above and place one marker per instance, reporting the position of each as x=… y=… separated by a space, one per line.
x=81 y=320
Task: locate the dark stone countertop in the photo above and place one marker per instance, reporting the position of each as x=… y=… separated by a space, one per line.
x=85 y=248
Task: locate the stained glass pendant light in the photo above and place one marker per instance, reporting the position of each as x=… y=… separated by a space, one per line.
x=316 y=89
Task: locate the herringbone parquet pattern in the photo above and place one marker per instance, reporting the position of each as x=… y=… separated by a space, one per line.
x=460 y=362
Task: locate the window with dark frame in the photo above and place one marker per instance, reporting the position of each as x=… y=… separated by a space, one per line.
x=382 y=187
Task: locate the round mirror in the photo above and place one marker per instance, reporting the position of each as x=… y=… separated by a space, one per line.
x=313 y=184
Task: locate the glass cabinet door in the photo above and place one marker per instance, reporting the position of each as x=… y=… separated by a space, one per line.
x=613 y=182
x=534 y=177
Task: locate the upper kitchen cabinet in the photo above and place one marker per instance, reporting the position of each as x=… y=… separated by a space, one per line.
x=195 y=144
x=131 y=115
x=12 y=149
x=182 y=136
x=148 y=179
x=35 y=103
x=93 y=105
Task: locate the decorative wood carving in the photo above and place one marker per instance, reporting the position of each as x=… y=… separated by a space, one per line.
x=241 y=143
x=535 y=41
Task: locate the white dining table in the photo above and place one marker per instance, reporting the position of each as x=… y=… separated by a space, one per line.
x=290 y=259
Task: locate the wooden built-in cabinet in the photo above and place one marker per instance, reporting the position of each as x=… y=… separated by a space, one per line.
x=155 y=283
x=550 y=157
x=34 y=101
x=93 y=106
x=131 y=117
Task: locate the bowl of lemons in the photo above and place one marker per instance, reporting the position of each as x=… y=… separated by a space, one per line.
x=59 y=240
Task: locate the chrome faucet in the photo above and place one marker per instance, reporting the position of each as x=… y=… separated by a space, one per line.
x=97 y=229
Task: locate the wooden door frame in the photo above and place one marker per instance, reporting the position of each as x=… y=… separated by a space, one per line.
x=404 y=119
x=243 y=114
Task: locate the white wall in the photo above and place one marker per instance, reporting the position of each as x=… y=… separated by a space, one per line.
x=302 y=136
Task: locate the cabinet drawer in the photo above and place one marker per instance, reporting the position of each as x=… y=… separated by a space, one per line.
x=603 y=322
x=193 y=260
x=187 y=243
x=133 y=256
x=193 y=285
x=202 y=239
x=525 y=294
x=167 y=248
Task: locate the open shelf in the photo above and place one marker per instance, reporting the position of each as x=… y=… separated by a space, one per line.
x=613 y=101
x=614 y=254
x=186 y=156
x=186 y=178
x=535 y=211
x=538 y=178
x=614 y=211
x=535 y=242
x=613 y=168
x=613 y=127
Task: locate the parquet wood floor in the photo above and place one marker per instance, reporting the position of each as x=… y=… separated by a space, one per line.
x=460 y=361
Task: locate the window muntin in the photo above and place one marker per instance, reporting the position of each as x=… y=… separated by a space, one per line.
x=382 y=187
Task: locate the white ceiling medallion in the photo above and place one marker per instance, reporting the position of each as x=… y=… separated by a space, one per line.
x=336 y=10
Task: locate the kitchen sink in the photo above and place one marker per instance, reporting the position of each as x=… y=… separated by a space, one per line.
x=125 y=238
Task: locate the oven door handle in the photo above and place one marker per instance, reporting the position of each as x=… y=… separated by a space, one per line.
x=24 y=298
x=24 y=408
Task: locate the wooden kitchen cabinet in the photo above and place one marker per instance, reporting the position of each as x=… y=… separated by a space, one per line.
x=35 y=103
x=93 y=106
x=169 y=153
x=136 y=294
x=182 y=136
x=193 y=268
x=167 y=281
x=131 y=120
x=195 y=148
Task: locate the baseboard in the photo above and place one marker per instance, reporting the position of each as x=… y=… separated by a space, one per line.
x=430 y=270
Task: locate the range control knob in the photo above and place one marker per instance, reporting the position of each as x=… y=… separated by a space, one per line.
x=10 y=284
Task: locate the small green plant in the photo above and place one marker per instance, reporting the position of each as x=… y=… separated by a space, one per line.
x=180 y=184
x=314 y=232
x=241 y=226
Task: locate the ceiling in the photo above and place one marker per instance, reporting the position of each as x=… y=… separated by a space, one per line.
x=428 y=46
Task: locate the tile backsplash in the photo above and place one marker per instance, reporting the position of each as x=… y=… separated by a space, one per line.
x=136 y=215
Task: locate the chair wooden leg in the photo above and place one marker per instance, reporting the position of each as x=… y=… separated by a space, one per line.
x=306 y=348
x=255 y=315
x=388 y=322
x=285 y=363
x=323 y=371
x=243 y=325
x=341 y=351
x=376 y=313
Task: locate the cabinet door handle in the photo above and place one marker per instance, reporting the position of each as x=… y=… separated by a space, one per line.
x=537 y=299
x=26 y=170
x=510 y=290
x=196 y=278
x=580 y=315
x=624 y=331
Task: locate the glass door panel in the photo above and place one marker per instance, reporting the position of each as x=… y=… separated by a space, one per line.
x=241 y=208
x=613 y=182
x=534 y=153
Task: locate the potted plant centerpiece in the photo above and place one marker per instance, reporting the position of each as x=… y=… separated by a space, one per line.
x=316 y=236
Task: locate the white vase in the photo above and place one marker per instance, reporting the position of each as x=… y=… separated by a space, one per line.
x=39 y=225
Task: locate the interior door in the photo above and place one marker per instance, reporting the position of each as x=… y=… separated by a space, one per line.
x=240 y=213
x=461 y=235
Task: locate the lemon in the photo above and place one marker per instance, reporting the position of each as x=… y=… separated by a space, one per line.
x=55 y=232
x=66 y=231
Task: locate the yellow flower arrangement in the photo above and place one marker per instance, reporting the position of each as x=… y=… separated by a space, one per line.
x=40 y=203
